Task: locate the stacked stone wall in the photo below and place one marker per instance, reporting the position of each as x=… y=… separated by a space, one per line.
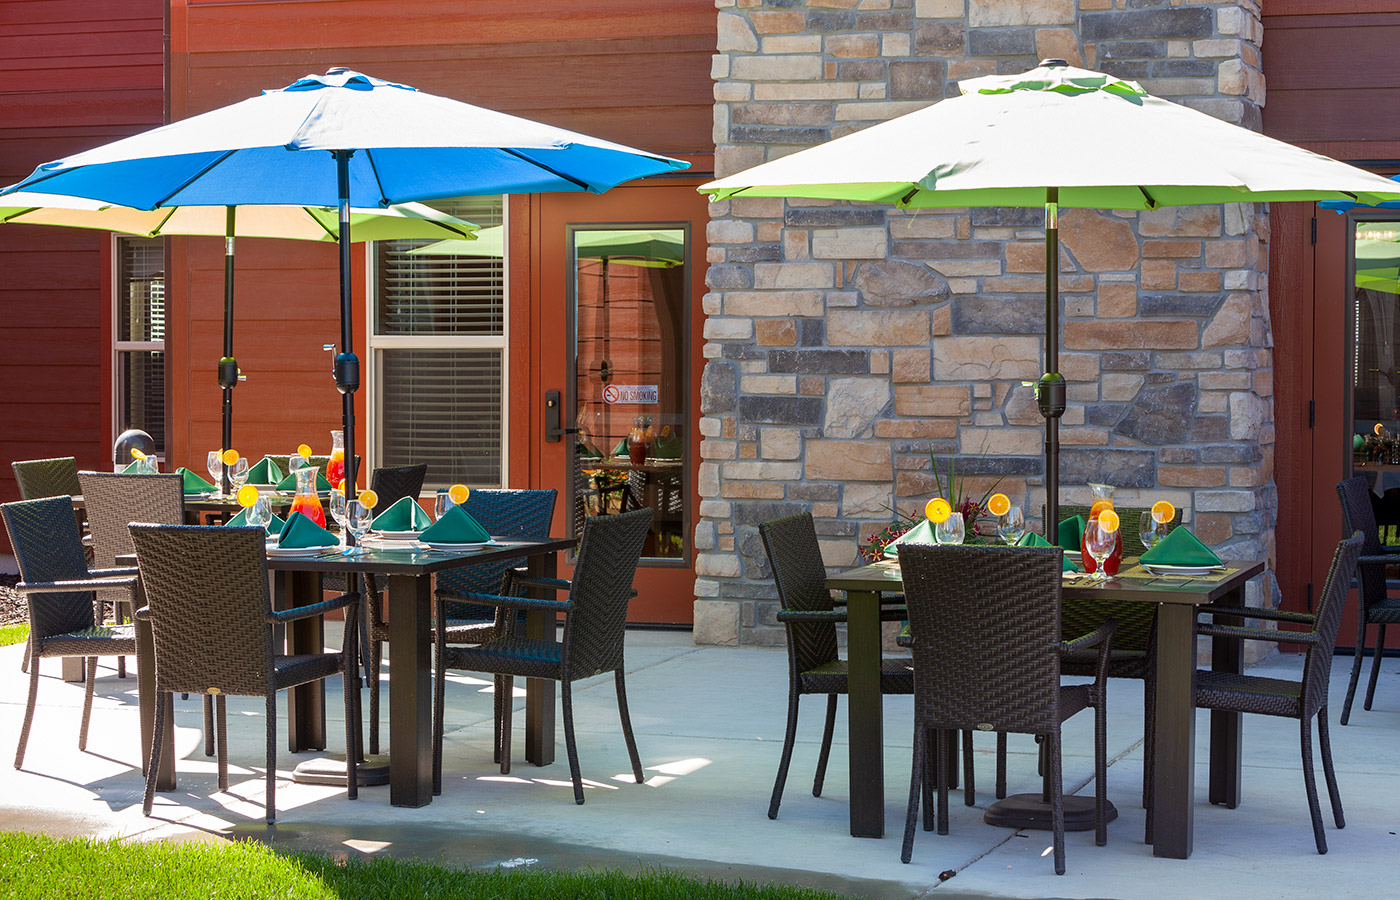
x=845 y=342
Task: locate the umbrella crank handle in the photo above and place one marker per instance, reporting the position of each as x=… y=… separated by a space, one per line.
x=345 y=367
x=1050 y=394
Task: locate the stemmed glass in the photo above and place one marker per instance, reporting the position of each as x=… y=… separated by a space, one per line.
x=1150 y=531
x=444 y=503
x=337 y=501
x=1012 y=525
x=357 y=521
x=238 y=473
x=260 y=513
x=215 y=465
x=1100 y=542
x=951 y=530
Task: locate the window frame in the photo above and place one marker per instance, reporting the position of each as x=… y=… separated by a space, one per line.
x=118 y=347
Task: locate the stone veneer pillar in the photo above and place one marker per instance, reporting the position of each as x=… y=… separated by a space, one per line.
x=844 y=342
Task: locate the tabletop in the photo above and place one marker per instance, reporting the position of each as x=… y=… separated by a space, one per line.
x=408 y=560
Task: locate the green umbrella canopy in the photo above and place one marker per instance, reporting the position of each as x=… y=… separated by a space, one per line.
x=638 y=247
x=1055 y=136
x=1377 y=264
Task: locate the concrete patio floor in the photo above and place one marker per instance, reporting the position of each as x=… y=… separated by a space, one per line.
x=709 y=725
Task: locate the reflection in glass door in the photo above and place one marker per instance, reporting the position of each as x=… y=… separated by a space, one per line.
x=630 y=308
x=1375 y=366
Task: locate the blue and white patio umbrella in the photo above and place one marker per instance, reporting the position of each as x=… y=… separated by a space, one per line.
x=372 y=142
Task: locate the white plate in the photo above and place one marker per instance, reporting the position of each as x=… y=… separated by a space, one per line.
x=1159 y=569
x=438 y=545
x=299 y=551
x=397 y=535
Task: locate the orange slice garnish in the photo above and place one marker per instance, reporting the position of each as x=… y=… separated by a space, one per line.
x=1379 y=429
x=1108 y=520
x=999 y=504
x=369 y=498
x=938 y=510
x=247 y=496
x=137 y=454
x=459 y=493
x=1163 y=512
x=230 y=457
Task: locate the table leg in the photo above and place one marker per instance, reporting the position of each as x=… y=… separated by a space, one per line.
x=539 y=692
x=306 y=704
x=73 y=671
x=146 y=693
x=410 y=691
x=865 y=715
x=1174 y=784
x=1226 y=748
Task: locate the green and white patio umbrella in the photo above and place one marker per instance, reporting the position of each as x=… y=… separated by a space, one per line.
x=1055 y=136
x=662 y=249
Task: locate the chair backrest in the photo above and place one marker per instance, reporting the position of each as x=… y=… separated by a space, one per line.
x=49 y=547
x=1318 y=665
x=608 y=553
x=115 y=500
x=39 y=478
x=796 y=560
x=1359 y=515
x=393 y=483
x=208 y=596
x=506 y=514
x=986 y=628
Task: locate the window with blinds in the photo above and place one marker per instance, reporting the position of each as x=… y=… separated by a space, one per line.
x=438 y=349
x=139 y=349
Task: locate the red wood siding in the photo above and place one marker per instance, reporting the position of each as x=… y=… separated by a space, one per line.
x=632 y=71
x=73 y=74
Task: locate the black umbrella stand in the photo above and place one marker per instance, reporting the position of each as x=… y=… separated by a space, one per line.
x=1050 y=389
x=228 y=366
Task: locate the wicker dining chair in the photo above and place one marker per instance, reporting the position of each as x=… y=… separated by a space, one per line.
x=1376 y=606
x=987 y=657
x=194 y=576
x=40 y=478
x=1304 y=699
x=810 y=616
x=508 y=514
x=58 y=588
x=595 y=618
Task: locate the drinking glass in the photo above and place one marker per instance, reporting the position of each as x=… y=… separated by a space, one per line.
x=1150 y=530
x=1012 y=525
x=238 y=473
x=337 y=502
x=215 y=465
x=444 y=503
x=260 y=513
x=1100 y=543
x=357 y=521
x=951 y=530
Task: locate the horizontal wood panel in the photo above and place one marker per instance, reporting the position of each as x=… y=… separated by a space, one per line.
x=83 y=50
x=124 y=73
x=134 y=108
x=50 y=13
x=1333 y=115
x=1319 y=54
x=1275 y=8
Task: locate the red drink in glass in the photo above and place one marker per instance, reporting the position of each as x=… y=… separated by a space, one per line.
x=309 y=505
x=335 y=469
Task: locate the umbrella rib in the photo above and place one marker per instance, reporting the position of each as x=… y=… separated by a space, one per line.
x=555 y=172
x=200 y=174
x=161 y=224
x=1151 y=200
x=383 y=198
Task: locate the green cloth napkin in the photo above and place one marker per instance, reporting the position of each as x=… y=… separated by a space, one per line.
x=456 y=526
x=1031 y=539
x=667 y=448
x=921 y=533
x=193 y=483
x=290 y=482
x=404 y=515
x=621 y=448
x=302 y=531
x=265 y=472
x=132 y=468
x=1180 y=548
x=273 y=527
x=1070 y=534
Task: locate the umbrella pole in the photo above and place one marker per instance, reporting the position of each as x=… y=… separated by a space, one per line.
x=228 y=366
x=1050 y=390
x=347 y=364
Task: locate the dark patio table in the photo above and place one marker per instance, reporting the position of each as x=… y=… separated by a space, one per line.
x=1178 y=599
x=409 y=595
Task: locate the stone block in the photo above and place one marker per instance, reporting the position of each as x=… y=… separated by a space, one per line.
x=852 y=404
x=1161 y=415
x=1125 y=362
x=830 y=20
x=1162 y=334
x=1147 y=24
x=821 y=90
x=794 y=67
x=1199 y=305
x=801 y=114
x=921 y=429
x=778 y=21
x=1132 y=49
x=1198 y=281
x=852 y=46
x=1020 y=284
x=1212 y=528
x=897 y=45
x=993 y=13
x=774 y=302
x=992 y=315
x=716 y=621
x=1191 y=476
x=1225 y=254
x=1119 y=386
x=1210 y=428
x=940 y=39
x=1231 y=324
x=768 y=384
x=894 y=283
x=878 y=327
x=925 y=400
x=1121 y=468
x=1059 y=43
x=1170 y=249
x=966 y=269
x=819 y=362
x=792 y=276
x=775 y=333
x=917 y=79
x=755 y=253
x=718 y=387
x=833 y=217
x=804 y=411
x=812 y=333
x=939 y=9
x=987 y=358
x=999 y=442
x=1180 y=221
x=735 y=33
x=728 y=278
x=780 y=443
x=1001 y=41
x=1117 y=301
x=834 y=460
x=1225 y=501
x=850 y=243
x=912 y=366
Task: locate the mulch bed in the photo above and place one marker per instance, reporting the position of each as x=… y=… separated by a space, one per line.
x=12 y=608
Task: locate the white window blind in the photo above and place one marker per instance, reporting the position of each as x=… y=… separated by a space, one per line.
x=139 y=350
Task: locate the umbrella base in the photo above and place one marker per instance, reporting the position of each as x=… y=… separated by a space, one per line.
x=371 y=772
x=1029 y=811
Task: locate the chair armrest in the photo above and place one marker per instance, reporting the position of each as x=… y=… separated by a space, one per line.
x=810 y=615
x=553 y=584
x=1101 y=635
x=81 y=584
x=517 y=602
x=1387 y=559
x=107 y=573
x=1239 y=632
x=1251 y=612
x=315 y=609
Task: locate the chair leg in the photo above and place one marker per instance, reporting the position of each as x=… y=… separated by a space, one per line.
x=1057 y=801
x=271 y=797
x=1355 y=664
x=930 y=782
x=507 y=711
x=783 y=761
x=500 y=696
x=1375 y=667
x=153 y=766
x=209 y=740
x=627 y=728
x=90 y=684
x=373 y=651
x=969 y=787
x=1310 y=783
x=916 y=789
x=825 y=755
x=28 y=710
x=1149 y=736
x=567 y=703
x=1001 y=765
x=1101 y=772
x=439 y=710
x=941 y=774
x=350 y=688
x=221 y=728
x=1324 y=743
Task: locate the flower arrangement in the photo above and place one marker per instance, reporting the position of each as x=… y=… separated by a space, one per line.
x=953 y=490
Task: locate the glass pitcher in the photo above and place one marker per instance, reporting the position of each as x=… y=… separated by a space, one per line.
x=335 y=469
x=306 y=502
x=640 y=440
x=1103 y=499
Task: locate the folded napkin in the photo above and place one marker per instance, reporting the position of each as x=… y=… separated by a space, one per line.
x=1070 y=534
x=404 y=515
x=273 y=527
x=667 y=448
x=135 y=467
x=1180 y=548
x=921 y=533
x=1031 y=539
x=456 y=526
x=266 y=472
x=301 y=531
x=193 y=483
x=290 y=482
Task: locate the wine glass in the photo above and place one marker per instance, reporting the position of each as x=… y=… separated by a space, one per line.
x=951 y=530
x=357 y=521
x=215 y=465
x=444 y=503
x=238 y=473
x=1012 y=525
x=260 y=513
x=1150 y=531
x=337 y=502
x=1100 y=542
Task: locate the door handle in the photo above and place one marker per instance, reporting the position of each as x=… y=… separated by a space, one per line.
x=553 y=406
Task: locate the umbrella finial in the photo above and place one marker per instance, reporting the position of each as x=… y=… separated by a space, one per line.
x=1053 y=64
x=341 y=70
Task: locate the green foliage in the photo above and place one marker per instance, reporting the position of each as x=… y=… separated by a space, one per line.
x=36 y=867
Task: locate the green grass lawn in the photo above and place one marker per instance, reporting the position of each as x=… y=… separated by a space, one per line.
x=13 y=634
x=34 y=867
